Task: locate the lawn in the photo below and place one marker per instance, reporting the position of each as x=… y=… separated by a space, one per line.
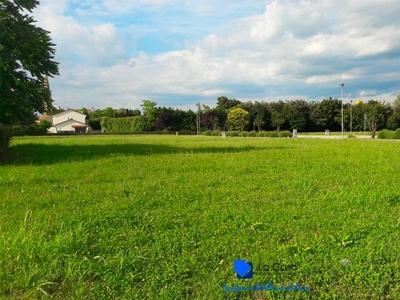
x=164 y=217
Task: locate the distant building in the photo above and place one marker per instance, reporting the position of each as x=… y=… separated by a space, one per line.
x=69 y=121
x=47 y=118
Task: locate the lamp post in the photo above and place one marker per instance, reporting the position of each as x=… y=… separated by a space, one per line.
x=342 y=85
x=365 y=124
x=198 y=118
x=351 y=116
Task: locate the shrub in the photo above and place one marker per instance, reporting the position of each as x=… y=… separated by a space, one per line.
x=396 y=134
x=285 y=134
x=385 y=134
x=33 y=129
x=216 y=133
x=232 y=133
x=207 y=133
x=350 y=136
x=243 y=133
x=252 y=133
x=272 y=134
x=261 y=133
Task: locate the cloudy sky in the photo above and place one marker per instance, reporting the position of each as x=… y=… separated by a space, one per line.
x=177 y=52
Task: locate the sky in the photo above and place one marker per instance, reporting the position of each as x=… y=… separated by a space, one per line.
x=116 y=53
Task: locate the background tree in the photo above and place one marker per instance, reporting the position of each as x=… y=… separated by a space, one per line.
x=277 y=120
x=27 y=55
x=393 y=121
x=210 y=120
x=396 y=104
x=375 y=115
x=238 y=118
x=325 y=113
x=296 y=119
x=164 y=121
x=223 y=106
x=150 y=113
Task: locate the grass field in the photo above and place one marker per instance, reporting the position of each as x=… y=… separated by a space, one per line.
x=164 y=217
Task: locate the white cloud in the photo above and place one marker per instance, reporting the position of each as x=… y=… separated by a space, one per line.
x=294 y=48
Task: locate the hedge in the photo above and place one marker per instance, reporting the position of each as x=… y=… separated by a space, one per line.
x=121 y=125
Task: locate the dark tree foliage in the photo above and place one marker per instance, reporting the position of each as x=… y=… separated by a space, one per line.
x=325 y=113
x=27 y=55
x=165 y=121
x=210 y=120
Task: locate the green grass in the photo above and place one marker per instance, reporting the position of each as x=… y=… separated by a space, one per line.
x=163 y=217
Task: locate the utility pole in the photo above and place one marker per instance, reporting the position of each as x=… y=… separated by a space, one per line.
x=198 y=117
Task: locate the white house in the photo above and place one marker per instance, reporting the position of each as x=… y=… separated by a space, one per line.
x=68 y=121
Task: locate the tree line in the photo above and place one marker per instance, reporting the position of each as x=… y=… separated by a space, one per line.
x=233 y=114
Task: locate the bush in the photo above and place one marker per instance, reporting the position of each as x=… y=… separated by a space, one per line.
x=33 y=129
x=396 y=134
x=243 y=134
x=261 y=134
x=285 y=134
x=385 y=134
x=5 y=137
x=272 y=134
x=18 y=130
x=350 y=136
x=232 y=133
x=216 y=133
x=252 y=133
x=207 y=133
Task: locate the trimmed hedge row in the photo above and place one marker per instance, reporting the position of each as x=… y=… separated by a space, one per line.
x=119 y=125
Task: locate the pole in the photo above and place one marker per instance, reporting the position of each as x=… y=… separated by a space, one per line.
x=365 y=124
x=351 y=116
x=198 y=118
x=342 y=85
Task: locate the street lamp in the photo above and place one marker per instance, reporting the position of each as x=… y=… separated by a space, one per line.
x=342 y=85
x=351 y=116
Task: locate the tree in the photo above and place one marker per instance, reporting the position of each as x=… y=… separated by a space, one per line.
x=396 y=104
x=27 y=55
x=325 y=113
x=393 y=122
x=164 y=121
x=277 y=119
x=150 y=113
x=108 y=112
x=259 y=120
x=238 y=118
x=210 y=119
x=375 y=115
x=296 y=119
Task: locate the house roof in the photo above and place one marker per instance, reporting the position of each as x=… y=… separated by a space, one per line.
x=45 y=117
x=68 y=111
x=69 y=121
